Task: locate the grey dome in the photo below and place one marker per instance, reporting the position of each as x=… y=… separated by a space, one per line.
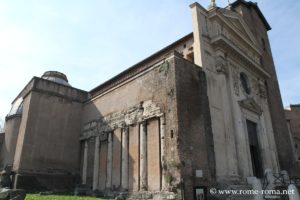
x=57 y=77
x=16 y=107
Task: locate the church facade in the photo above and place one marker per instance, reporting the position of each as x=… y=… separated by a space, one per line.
x=203 y=112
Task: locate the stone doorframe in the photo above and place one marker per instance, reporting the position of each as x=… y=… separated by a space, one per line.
x=251 y=111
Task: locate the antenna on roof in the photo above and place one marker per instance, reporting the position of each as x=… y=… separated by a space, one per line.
x=212 y=4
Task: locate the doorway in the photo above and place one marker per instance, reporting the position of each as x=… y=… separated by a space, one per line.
x=254 y=149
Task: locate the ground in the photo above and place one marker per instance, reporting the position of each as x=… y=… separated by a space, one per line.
x=59 y=197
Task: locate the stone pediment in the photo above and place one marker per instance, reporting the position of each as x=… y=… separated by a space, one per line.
x=230 y=32
x=237 y=24
x=250 y=104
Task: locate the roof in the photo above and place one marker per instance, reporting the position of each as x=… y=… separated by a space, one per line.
x=126 y=73
x=256 y=8
x=295 y=105
x=57 y=77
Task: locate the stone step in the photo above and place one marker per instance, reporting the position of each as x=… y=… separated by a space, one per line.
x=152 y=196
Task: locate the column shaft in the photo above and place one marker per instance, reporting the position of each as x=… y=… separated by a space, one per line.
x=162 y=150
x=96 y=163
x=124 y=178
x=143 y=156
x=109 y=161
x=85 y=157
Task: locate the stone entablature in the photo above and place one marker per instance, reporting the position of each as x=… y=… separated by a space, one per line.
x=226 y=45
x=133 y=115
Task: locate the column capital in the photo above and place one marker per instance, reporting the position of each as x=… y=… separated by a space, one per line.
x=86 y=144
x=221 y=65
x=125 y=128
x=144 y=123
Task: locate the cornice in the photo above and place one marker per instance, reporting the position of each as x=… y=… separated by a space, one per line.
x=247 y=42
x=222 y=42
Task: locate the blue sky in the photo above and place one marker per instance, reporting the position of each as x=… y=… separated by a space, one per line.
x=91 y=41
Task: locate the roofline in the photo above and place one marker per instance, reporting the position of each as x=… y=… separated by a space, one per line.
x=110 y=82
x=255 y=6
x=39 y=78
x=295 y=105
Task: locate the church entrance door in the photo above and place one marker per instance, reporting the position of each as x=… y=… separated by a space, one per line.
x=254 y=149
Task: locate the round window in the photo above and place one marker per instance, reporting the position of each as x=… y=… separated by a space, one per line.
x=245 y=82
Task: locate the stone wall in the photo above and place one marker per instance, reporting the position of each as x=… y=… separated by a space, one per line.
x=8 y=146
x=154 y=132
x=133 y=114
x=194 y=138
x=47 y=144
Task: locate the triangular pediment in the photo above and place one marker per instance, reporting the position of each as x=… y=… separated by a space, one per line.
x=236 y=22
x=251 y=105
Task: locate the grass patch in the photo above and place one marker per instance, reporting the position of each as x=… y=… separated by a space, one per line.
x=59 y=197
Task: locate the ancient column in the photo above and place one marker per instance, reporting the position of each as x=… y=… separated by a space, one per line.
x=162 y=149
x=96 y=163
x=124 y=176
x=85 y=157
x=109 y=161
x=143 y=156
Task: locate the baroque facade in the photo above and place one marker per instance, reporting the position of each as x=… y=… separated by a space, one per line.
x=203 y=112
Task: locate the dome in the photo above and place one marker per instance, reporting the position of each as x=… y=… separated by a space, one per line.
x=57 y=77
x=17 y=107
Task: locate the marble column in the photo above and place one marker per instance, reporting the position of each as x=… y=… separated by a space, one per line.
x=96 y=163
x=85 y=157
x=124 y=172
x=109 y=161
x=143 y=156
x=162 y=150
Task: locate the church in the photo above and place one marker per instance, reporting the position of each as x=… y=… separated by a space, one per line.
x=203 y=112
